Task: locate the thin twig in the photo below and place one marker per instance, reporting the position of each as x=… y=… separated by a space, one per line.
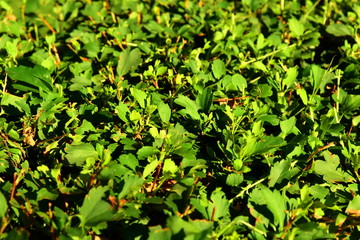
x=229 y=99
x=320 y=149
x=247 y=189
x=47 y=24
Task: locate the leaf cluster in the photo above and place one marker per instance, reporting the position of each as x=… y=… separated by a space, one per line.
x=136 y=119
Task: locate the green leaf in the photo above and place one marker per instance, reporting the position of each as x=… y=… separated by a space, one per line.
x=5 y=6
x=239 y=82
x=159 y=233
x=238 y=164
x=93 y=10
x=317 y=74
x=44 y=193
x=170 y=166
x=164 y=112
x=354 y=206
x=265 y=90
x=248 y=149
x=4 y=164
x=270 y=118
x=234 y=179
x=356 y=120
x=218 y=68
x=37 y=77
x=288 y=126
x=296 y=27
x=268 y=143
x=146 y=151
x=79 y=153
x=303 y=95
x=313 y=231
x=50 y=39
x=79 y=82
x=318 y=191
x=132 y=185
x=339 y=96
x=273 y=201
x=86 y=126
x=200 y=203
x=197 y=229
x=139 y=95
x=128 y=60
x=150 y=168
x=93 y=49
x=329 y=171
x=280 y=171
x=123 y=111
x=18 y=234
x=3 y=205
x=161 y=70
x=205 y=99
x=191 y=108
x=129 y=160
x=260 y=65
x=12 y=48
x=290 y=77
x=351 y=102
x=135 y=116
x=94 y=210
x=218 y=206
x=338 y=30
x=260 y=43
x=15 y=101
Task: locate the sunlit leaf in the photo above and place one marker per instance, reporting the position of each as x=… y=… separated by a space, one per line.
x=3 y=205
x=234 y=179
x=317 y=74
x=290 y=77
x=354 y=206
x=77 y=154
x=131 y=186
x=338 y=29
x=218 y=207
x=191 y=108
x=273 y=201
x=159 y=233
x=164 y=112
x=288 y=126
x=146 y=151
x=129 y=160
x=128 y=60
x=15 y=101
x=139 y=95
x=150 y=168
x=218 y=68
x=268 y=143
x=170 y=166
x=34 y=78
x=329 y=170
x=297 y=28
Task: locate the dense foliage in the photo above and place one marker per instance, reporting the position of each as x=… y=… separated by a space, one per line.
x=165 y=119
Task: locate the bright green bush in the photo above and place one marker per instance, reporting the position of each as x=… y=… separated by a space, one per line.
x=125 y=119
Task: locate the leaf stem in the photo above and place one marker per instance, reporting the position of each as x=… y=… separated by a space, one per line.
x=267 y=55
x=338 y=76
x=222 y=231
x=247 y=189
x=4 y=224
